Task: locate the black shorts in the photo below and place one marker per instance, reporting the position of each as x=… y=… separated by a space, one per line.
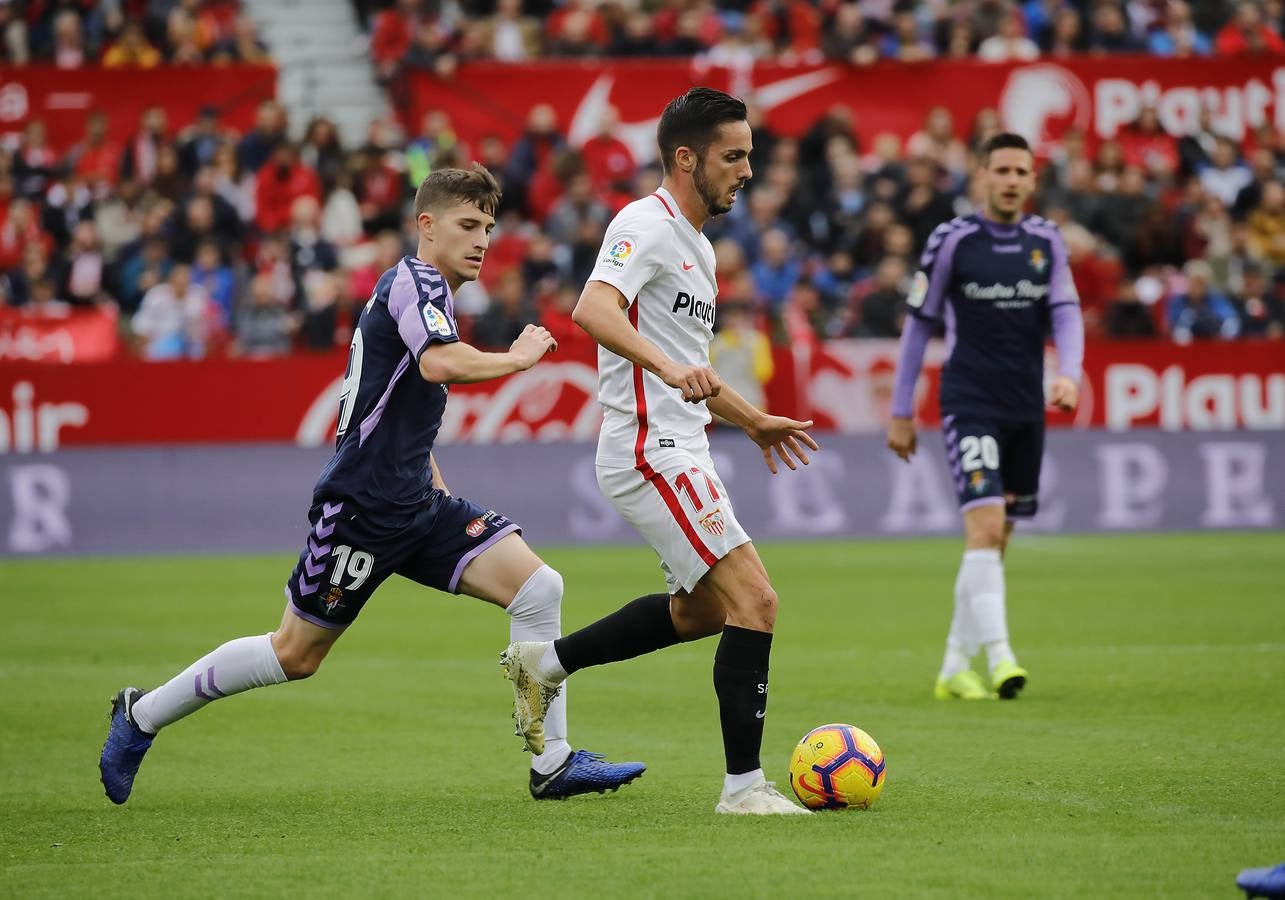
x=995 y=462
x=348 y=555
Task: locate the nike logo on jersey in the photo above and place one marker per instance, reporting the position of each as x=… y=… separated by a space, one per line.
x=688 y=266
x=698 y=308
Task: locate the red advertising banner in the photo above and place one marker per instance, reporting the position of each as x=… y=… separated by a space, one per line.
x=844 y=385
x=847 y=386
x=61 y=98
x=1041 y=100
x=81 y=337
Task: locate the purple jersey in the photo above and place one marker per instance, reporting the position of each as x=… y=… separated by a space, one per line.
x=997 y=287
x=388 y=414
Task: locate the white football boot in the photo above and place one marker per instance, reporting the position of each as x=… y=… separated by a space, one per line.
x=759 y=799
x=531 y=693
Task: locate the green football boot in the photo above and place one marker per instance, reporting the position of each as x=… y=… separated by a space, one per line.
x=1009 y=678
x=966 y=685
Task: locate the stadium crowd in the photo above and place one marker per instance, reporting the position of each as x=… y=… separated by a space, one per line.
x=73 y=34
x=437 y=33
x=209 y=241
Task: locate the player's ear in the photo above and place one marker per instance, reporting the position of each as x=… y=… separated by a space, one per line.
x=685 y=158
x=425 y=222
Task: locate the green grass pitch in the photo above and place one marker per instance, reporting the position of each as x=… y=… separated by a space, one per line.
x=1146 y=758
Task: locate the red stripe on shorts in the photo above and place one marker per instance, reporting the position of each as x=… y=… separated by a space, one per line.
x=644 y=468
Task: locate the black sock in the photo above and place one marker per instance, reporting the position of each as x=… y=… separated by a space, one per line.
x=638 y=627
x=740 y=680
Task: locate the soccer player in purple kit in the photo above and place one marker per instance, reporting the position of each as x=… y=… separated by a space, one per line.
x=381 y=507
x=1000 y=279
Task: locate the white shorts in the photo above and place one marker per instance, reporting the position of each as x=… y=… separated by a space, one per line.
x=679 y=505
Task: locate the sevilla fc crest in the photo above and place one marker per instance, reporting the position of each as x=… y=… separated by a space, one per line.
x=713 y=522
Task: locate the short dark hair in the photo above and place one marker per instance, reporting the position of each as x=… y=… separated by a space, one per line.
x=693 y=119
x=448 y=187
x=1005 y=140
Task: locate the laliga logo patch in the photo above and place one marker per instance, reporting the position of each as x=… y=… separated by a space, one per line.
x=918 y=290
x=619 y=253
x=435 y=321
x=476 y=527
x=713 y=522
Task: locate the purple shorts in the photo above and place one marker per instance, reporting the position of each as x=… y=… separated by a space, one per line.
x=995 y=462
x=348 y=555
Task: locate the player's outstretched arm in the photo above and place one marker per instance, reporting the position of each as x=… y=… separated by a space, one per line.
x=461 y=363
x=786 y=436
x=600 y=311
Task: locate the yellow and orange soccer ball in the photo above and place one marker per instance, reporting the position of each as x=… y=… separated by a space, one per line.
x=837 y=767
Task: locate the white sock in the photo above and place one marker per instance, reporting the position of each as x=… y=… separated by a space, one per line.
x=961 y=642
x=734 y=783
x=237 y=666
x=551 y=666
x=536 y=615
x=982 y=573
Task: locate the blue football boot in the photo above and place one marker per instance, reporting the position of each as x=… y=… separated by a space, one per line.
x=1263 y=882
x=126 y=744
x=583 y=773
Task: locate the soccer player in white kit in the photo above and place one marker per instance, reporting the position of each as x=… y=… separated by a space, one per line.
x=650 y=306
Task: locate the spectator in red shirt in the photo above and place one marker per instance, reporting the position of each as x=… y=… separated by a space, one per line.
x=587 y=24
x=607 y=158
x=1247 y=33
x=279 y=183
x=96 y=159
x=791 y=24
x=21 y=229
x=1148 y=146
x=391 y=35
x=1096 y=274
x=573 y=341
x=380 y=190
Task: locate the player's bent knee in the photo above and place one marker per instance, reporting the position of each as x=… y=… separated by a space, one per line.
x=298 y=666
x=300 y=661
x=755 y=607
x=547 y=583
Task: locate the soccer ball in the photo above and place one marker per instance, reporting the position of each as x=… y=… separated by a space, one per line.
x=837 y=766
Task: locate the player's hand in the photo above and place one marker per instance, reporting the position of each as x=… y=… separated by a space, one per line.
x=902 y=439
x=787 y=437
x=1064 y=394
x=532 y=344
x=696 y=383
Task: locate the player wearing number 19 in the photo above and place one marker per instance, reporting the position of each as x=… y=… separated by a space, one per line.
x=1000 y=279
x=381 y=507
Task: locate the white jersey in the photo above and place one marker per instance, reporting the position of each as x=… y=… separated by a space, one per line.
x=665 y=269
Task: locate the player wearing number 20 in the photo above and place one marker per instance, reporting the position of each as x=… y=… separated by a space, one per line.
x=1000 y=279
x=381 y=508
